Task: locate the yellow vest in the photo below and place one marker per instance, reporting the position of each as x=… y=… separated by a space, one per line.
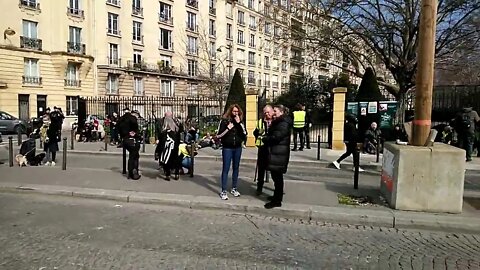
x=299 y=119
x=261 y=131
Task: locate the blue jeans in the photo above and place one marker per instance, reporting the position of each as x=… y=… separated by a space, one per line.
x=187 y=162
x=229 y=154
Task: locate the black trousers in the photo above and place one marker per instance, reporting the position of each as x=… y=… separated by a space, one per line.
x=277 y=178
x=298 y=132
x=351 y=150
x=307 y=135
x=262 y=158
x=133 y=147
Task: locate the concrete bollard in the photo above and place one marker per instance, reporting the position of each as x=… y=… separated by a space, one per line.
x=318 y=147
x=72 y=139
x=144 y=133
x=19 y=137
x=64 y=163
x=124 y=159
x=10 y=151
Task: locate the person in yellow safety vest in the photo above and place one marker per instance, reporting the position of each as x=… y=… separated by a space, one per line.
x=260 y=131
x=299 y=117
x=185 y=156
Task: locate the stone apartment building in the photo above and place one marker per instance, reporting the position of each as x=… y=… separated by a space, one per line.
x=54 y=51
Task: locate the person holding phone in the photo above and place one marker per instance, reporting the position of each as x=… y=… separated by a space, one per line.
x=232 y=134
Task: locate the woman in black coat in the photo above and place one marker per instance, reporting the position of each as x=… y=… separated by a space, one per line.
x=278 y=142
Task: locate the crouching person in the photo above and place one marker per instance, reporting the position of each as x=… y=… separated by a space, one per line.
x=185 y=157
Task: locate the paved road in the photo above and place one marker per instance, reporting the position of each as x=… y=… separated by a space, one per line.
x=62 y=233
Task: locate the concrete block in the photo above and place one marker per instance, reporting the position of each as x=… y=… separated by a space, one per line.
x=160 y=198
x=427 y=179
x=352 y=216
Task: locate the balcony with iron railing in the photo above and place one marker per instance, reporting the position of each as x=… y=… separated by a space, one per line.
x=162 y=18
x=168 y=48
x=267 y=66
x=114 y=32
x=115 y=62
x=192 y=3
x=32 y=80
x=191 y=50
x=241 y=22
x=75 y=12
x=252 y=27
x=212 y=33
x=212 y=11
x=284 y=69
x=253 y=46
x=30 y=4
x=137 y=11
x=267 y=83
x=297 y=58
x=251 y=63
x=251 y=80
x=241 y=42
x=275 y=84
x=241 y=61
x=72 y=83
x=77 y=48
x=30 y=43
x=276 y=68
x=114 y=2
x=192 y=28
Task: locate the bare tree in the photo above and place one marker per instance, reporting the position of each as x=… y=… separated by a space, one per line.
x=372 y=33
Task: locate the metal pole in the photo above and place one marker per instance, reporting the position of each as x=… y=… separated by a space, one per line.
x=378 y=151
x=10 y=151
x=425 y=72
x=143 y=135
x=267 y=180
x=64 y=164
x=318 y=145
x=19 y=137
x=356 y=164
x=192 y=165
x=106 y=142
x=124 y=159
x=72 y=139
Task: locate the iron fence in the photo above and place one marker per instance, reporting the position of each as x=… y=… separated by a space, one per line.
x=322 y=130
x=201 y=112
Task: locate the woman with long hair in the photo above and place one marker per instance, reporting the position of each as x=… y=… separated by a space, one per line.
x=167 y=148
x=232 y=134
x=278 y=142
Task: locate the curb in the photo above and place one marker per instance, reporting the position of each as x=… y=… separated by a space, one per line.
x=338 y=215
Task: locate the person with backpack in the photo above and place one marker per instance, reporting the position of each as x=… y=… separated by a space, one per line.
x=466 y=122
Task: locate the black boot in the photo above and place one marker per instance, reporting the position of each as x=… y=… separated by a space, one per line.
x=273 y=204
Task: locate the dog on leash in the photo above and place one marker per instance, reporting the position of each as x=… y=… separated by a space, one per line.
x=21 y=160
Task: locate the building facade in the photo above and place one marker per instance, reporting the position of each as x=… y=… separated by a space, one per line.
x=44 y=59
x=55 y=51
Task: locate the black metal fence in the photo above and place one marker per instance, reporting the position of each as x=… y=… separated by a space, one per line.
x=201 y=112
x=449 y=100
x=322 y=130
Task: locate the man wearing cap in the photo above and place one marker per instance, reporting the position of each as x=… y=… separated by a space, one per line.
x=129 y=132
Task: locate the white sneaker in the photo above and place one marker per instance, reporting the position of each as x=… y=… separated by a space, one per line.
x=223 y=195
x=47 y=163
x=359 y=169
x=52 y=164
x=336 y=164
x=235 y=192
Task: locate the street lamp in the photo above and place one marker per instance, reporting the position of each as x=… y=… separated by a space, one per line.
x=8 y=32
x=230 y=58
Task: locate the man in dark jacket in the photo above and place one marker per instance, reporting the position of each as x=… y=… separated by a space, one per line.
x=465 y=124
x=351 y=139
x=128 y=128
x=373 y=137
x=278 y=142
x=308 y=126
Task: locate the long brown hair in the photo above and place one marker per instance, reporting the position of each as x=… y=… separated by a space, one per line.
x=228 y=114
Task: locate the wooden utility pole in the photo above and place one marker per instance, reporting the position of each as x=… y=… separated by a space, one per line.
x=425 y=73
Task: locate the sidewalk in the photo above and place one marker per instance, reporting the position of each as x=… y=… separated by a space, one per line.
x=303 y=199
x=308 y=156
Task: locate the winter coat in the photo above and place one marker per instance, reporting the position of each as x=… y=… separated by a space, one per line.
x=350 y=134
x=127 y=123
x=52 y=139
x=373 y=136
x=278 y=142
x=232 y=138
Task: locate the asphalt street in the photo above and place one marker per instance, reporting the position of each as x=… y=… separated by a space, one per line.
x=40 y=232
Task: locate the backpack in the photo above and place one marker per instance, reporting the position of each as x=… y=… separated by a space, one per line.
x=465 y=121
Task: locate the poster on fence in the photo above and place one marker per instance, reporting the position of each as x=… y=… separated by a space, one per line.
x=363 y=108
x=387 y=111
x=352 y=108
